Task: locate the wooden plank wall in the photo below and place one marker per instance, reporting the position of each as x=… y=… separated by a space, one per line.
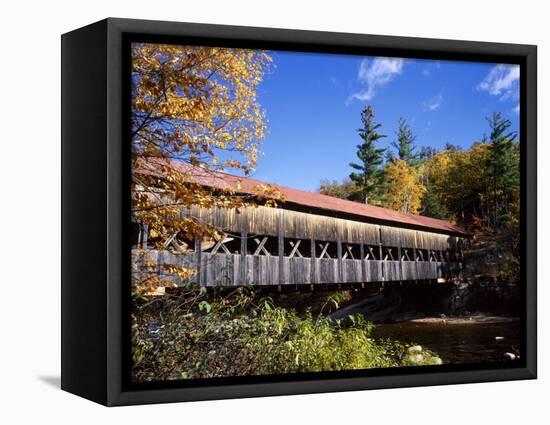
x=226 y=269
x=299 y=225
x=223 y=269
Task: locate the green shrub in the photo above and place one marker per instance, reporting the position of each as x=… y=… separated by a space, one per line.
x=200 y=335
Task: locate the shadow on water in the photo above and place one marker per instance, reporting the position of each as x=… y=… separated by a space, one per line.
x=458 y=343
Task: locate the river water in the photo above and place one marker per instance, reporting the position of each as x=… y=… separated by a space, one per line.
x=457 y=342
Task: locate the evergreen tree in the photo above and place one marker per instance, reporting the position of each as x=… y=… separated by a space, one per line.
x=426 y=152
x=452 y=148
x=368 y=175
x=404 y=145
x=502 y=165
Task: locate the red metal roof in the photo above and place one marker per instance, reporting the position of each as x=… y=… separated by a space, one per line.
x=223 y=180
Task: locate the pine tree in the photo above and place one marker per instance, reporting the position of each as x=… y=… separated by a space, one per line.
x=502 y=166
x=369 y=174
x=452 y=148
x=404 y=145
x=426 y=152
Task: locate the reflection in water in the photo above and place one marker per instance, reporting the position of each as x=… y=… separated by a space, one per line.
x=458 y=343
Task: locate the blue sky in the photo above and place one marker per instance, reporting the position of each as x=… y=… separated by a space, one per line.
x=313 y=104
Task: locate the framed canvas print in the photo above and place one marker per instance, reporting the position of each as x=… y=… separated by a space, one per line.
x=252 y=212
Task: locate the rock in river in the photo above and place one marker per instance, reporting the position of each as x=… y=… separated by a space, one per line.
x=415 y=349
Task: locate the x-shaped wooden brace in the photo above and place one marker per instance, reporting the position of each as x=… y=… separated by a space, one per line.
x=348 y=252
x=405 y=254
x=420 y=254
x=261 y=247
x=221 y=244
x=172 y=241
x=295 y=250
x=389 y=254
x=324 y=248
x=370 y=253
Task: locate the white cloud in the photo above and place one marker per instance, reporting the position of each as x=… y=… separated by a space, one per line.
x=374 y=74
x=427 y=70
x=434 y=103
x=516 y=109
x=503 y=81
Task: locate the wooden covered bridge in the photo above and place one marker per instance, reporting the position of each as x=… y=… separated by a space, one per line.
x=312 y=239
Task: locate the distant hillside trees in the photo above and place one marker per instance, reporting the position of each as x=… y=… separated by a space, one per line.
x=476 y=187
x=345 y=189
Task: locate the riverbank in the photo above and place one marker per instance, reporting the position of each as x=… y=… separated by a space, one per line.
x=474 y=319
x=426 y=302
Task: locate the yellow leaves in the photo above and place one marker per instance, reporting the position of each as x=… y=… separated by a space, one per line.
x=453 y=173
x=268 y=193
x=196 y=105
x=208 y=92
x=405 y=190
x=181 y=272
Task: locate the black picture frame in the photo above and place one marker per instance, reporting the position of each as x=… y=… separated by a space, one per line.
x=95 y=205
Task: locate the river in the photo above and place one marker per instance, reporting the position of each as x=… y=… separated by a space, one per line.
x=457 y=342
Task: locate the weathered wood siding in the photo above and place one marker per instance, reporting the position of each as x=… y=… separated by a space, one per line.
x=296 y=270
x=397 y=237
x=227 y=269
x=299 y=225
x=374 y=271
x=352 y=271
x=427 y=240
x=328 y=270
x=262 y=270
x=392 y=270
x=409 y=270
x=357 y=240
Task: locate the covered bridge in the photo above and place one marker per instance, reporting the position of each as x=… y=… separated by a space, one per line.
x=310 y=239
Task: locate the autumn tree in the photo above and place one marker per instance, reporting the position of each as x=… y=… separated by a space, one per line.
x=432 y=205
x=457 y=182
x=345 y=189
x=435 y=177
x=194 y=110
x=368 y=175
x=404 y=189
x=404 y=144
